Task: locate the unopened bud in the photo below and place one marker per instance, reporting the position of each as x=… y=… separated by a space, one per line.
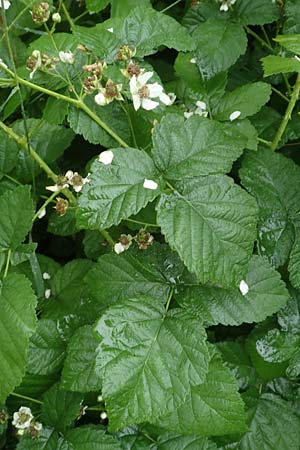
x=56 y=17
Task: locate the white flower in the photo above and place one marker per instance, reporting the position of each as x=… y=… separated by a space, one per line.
x=56 y=188
x=201 y=109
x=234 y=115
x=193 y=61
x=111 y=30
x=66 y=57
x=46 y=276
x=106 y=157
x=36 y=54
x=47 y=293
x=103 y=416
x=150 y=184
x=244 y=288
x=4 y=4
x=56 y=17
x=2 y=64
x=225 y=4
x=22 y=418
x=188 y=114
x=42 y=213
x=100 y=98
x=142 y=92
x=100 y=398
x=119 y=248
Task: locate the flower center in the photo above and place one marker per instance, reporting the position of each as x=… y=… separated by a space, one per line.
x=144 y=92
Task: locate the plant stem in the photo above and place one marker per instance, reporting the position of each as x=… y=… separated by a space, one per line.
x=170 y=6
x=287 y=115
x=68 y=17
x=169 y=301
x=24 y=397
x=46 y=203
x=259 y=39
x=142 y=223
x=7 y=263
x=78 y=103
x=170 y=186
x=280 y=94
x=263 y=141
x=107 y=237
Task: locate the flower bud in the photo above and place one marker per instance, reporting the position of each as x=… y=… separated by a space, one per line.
x=61 y=206
x=56 y=17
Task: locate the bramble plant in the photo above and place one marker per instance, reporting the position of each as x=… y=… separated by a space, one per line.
x=150 y=225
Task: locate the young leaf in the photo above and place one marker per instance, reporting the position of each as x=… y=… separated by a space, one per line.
x=211 y=222
x=149 y=359
x=79 y=372
x=46 y=350
x=212 y=408
x=60 y=408
x=248 y=99
x=118 y=277
x=116 y=191
x=213 y=305
x=290 y=42
x=16 y=217
x=276 y=64
x=17 y=324
x=219 y=45
x=194 y=147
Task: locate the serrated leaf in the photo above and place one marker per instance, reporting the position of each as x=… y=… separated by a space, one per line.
x=238 y=100
x=211 y=222
x=122 y=9
x=266 y=431
x=276 y=64
x=8 y=153
x=112 y=114
x=16 y=208
x=290 y=42
x=79 y=372
x=91 y=438
x=118 y=277
x=214 y=305
x=144 y=28
x=143 y=375
x=219 y=45
x=17 y=324
x=294 y=262
x=115 y=191
x=292 y=15
x=212 y=408
x=46 y=350
x=274 y=180
x=174 y=441
x=60 y=408
x=194 y=147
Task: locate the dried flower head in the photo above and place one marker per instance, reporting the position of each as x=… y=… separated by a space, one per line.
x=61 y=206
x=125 y=53
x=41 y=12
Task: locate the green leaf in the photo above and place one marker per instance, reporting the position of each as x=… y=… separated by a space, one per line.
x=256 y=12
x=144 y=28
x=278 y=346
x=91 y=438
x=236 y=358
x=118 y=277
x=219 y=45
x=112 y=114
x=49 y=141
x=55 y=111
x=115 y=191
x=274 y=180
x=60 y=408
x=238 y=100
x=16 y=217
x=94 y=6
x=266 y=417
x=213 y=305
x=79 y=372
x=290 y=42
x=17 y=324
x=46 y=350
x=174 y=441
x=8 y=153
x=138 y=358
x=194 y=147
x=292 y=15
x=276 y=64
x=124 y=8
x=212 y=408
x=294 y=262
x=211 y=222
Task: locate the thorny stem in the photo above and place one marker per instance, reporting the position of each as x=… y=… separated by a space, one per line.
x=78 y=103
x=287 y=115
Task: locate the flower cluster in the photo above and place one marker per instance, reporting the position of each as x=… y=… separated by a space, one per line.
x=201 y=110
x=70 y=178
x=41 y=61
x=142 y=238
x=24 y=421
x=95 y=71
x=143 y=93
x=109 y=93
x=41 y=12
x=226 y=4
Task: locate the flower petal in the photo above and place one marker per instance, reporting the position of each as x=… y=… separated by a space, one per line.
x=149 y=104
x=144 y=77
